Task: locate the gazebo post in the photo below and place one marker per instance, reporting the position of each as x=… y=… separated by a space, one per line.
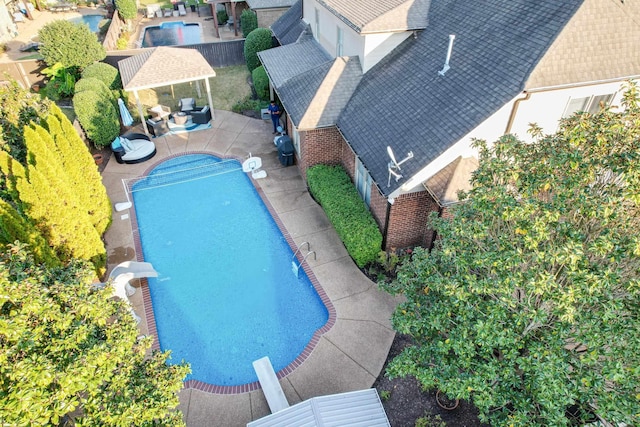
x=141 y=112
x=206 y=82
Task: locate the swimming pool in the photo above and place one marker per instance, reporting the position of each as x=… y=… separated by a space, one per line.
x=173 y=33
x=93 y=21
x=226 y=294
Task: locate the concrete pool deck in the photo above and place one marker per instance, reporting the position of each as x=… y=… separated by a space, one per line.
x=348 y=357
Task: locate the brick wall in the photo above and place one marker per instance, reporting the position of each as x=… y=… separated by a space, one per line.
x=408 y=221
x=409 y=213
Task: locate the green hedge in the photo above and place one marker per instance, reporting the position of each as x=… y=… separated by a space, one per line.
x=108 y=74
x=260 y=82
x=257 y=41
x=249 y=22
x=333 y=189
x=98 y=117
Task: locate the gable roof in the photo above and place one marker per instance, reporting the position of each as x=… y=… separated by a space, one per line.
x=599 y=43
x=163 y=66
x=404 y=102
x=288 y=28
x=316 y=98
x=446 y=183
x=293 y=59
x=366 y=16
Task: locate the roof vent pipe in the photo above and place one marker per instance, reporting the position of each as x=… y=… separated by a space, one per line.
x=446 y=62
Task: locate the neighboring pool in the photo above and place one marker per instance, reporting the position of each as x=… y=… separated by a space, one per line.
x=92 y=21
x=174 y=33
x=226 y=294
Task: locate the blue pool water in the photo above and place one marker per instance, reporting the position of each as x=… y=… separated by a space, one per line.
x=226 y=294
x=175 y=33
x=92 y=21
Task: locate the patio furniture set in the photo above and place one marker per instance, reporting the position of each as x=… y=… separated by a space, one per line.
x=158 y=124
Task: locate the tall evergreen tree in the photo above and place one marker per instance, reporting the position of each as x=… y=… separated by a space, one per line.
x=16 y=227
x=81 y=169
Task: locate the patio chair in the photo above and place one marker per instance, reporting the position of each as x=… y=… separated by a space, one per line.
x=168 y=12
x=181 y=10
x=201 y=116
x=187 y=105
x=157 y=127
x=160 y=112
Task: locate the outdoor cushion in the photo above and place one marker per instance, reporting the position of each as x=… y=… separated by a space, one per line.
x=187 y=104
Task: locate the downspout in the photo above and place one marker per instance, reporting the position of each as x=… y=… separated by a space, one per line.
x=386 y=224
x=514 y=111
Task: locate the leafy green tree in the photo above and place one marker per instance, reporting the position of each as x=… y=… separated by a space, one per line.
x=127 y=9
x=249 y=22
x=19 y=108
x=74 y=46
x=70 y=353
x=108 y=74
x=529 y=303
x=256 y=41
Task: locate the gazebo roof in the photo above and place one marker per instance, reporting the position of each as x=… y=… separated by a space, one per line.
x=163 y=66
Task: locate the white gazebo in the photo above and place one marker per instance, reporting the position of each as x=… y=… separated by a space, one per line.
x=164 y=66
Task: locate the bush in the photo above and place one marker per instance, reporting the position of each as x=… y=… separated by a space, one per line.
x=69 y=44
x=260 y=82
x=98 y=117
x=94 y=85
x=347 y=212
x=127 y=9
x=257 y=41
x=249 y=104
x=222 y=17
x=249 y=22
x=106 y=73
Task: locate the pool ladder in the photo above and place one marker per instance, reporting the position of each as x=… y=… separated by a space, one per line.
x=296 y=267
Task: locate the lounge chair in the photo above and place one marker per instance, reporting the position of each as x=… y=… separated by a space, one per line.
x=201 y=116
x=181 y=10
x=168 y=12
x=270 y=386
x=186 y=105
x=133 y=148
x=160 y=111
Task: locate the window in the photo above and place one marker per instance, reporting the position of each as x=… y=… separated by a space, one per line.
x=339 y=38
x=363 y=182
x=317 y=25
x=589 y=104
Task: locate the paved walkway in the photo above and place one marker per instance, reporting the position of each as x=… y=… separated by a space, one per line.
x=348 y=357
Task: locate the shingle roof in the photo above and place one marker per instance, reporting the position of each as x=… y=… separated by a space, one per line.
x=288 y=61
x=288 y=28
x=366 y=16
x=269 y=4
x=591 y=47
x=163 y=66
x=316 y=98
x=403 y=101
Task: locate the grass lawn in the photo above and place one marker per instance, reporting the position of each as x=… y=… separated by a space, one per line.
x=227 y=88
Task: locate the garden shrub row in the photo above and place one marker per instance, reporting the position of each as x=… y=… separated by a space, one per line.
x=349 y=215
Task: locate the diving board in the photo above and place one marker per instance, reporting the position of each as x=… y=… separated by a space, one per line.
x=270 y=385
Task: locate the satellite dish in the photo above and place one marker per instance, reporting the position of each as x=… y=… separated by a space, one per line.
x=394 y=165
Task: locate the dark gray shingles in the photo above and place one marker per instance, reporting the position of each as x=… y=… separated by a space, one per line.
x=284 y=62
x=316 y=98
x=288 y=28
x=403 y=101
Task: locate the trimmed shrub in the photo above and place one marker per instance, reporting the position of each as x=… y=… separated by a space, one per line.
x=69 y=44
x=94 y=85
x=107 y=74
x=347 y=212
x=222 y=17
x=260 y=82
x=98 y=117
x=257 y=41
x=127 y=9
x=249 y=22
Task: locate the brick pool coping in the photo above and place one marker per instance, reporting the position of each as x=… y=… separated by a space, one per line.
x=148 y=307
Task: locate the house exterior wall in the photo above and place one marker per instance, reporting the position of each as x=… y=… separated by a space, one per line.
x=377 y=46
x=320 y=146
x=408 y=221
x=266 y=17
x=546 y=108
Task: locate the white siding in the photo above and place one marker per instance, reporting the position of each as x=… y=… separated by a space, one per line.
x=377 y=46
